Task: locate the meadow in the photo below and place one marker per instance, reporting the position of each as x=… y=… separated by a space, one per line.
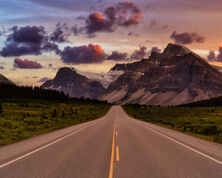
x=24 y=118
x=203 y=122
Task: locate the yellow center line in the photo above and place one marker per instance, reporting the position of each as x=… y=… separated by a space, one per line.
x=112 y=154
x=116 y=133
x=117 y=153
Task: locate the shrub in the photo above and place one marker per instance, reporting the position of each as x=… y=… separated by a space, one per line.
x=54 y=113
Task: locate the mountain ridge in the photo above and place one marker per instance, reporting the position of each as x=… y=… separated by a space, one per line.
x=175 y=76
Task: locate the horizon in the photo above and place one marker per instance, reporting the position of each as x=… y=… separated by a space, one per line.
x=86 y=36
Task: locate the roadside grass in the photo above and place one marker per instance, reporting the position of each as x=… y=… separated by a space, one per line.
x=202 y=122
x=25 y=118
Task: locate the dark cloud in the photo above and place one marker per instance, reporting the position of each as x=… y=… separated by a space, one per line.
x=155 y=49
x=77 y=30
x=143 y=53
x=26 y=64
x=29 y=40
x=117 y=56
x=123 y=14
x=213 y=57
x=139 y=54
x=98 y=22
x=128 y=14
x=48 y=47
x=187 y=38
x=61 y=33
x=20 y=49
x=27 y=34
x=219 y=57
x=83 y=54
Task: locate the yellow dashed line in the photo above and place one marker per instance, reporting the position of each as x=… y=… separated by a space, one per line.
x=112 y=154
x=117 y=153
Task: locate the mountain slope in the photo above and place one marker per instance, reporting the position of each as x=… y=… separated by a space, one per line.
x=174 y=77
x=3 y=79
x=74 y=84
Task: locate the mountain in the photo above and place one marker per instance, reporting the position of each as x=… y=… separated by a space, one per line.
x=104 y=78
x=74 y=84
x=176 y=76
x=3 y=79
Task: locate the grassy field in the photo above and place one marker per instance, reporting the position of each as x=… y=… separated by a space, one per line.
x=204 y=122
x=21 y=119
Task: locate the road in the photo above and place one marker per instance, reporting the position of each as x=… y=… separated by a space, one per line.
x=115 y=146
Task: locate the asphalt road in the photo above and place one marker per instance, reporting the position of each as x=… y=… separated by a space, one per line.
x=113 y=146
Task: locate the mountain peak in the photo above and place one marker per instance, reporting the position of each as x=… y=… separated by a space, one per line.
x=176 y=50
x=76 y=85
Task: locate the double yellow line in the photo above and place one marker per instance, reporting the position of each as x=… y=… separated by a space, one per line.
x=113 y=152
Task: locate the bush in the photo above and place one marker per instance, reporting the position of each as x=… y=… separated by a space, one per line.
x=210 y=130
x=54 y=113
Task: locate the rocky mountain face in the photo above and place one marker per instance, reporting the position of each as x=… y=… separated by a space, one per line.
x=174 y=77
x=74 y=84
x=3 y=79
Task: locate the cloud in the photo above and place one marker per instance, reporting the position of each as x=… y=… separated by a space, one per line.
x=97 y=22
x=219 y=57
x=187 y=38
x=143 y=53
x=16 y=49
x=133 y=34
x=28 y=40
x=61 y=33
x=123 y=14
x=139 y=54
x=213 y=57
x=26 y=64
x=155 y=49
x=27 y=34
x=44 y=79
x=83 y=54
x=117 y=56
x=49 y=47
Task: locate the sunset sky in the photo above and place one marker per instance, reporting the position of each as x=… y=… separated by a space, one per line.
x=37 y=37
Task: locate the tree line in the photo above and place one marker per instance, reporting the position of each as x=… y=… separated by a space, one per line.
x=11 y=91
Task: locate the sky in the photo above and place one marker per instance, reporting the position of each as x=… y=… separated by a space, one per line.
x=38 y=37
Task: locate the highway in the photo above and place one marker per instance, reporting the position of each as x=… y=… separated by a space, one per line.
x=115 y=146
